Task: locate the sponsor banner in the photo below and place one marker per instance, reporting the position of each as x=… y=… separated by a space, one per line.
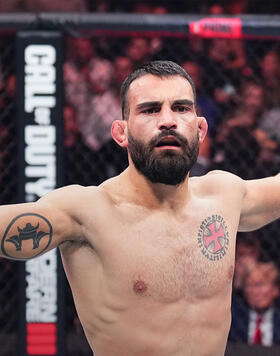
x=217 y=28
x=39 y=78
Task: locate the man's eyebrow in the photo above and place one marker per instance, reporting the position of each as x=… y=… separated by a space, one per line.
x=148 y=104
x=153 y=104
x=183 y=102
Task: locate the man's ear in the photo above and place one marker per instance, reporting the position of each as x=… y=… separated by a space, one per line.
x=119 y=132
x=202 y=128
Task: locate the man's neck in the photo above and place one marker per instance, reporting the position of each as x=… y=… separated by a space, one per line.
x=156 y=195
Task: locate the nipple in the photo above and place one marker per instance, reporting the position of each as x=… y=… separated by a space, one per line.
x=140 y=287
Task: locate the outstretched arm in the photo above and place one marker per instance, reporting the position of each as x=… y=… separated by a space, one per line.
x=261 y=203
x=30 y=229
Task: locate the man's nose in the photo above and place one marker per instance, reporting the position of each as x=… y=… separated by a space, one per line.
x=167 y=120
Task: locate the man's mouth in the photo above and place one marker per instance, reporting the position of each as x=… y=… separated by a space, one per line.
x=168 y=142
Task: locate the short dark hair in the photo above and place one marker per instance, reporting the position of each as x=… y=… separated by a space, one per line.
x=157 y=68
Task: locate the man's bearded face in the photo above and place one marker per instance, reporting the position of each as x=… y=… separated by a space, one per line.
x=166 y=166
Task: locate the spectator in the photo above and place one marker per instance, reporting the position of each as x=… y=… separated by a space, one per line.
x=205 y=104
x=219 y=53
x=81 y=165
x=105 y=106
x=270 y=78
x=248 y=111
x=80 y=51
x=236 y=59
x=256 y=318
x=233 y=155
x=205 y=107
x=138 y=50
x=247 y=255
x=196 y=50
x=157 y=43
x=270 y=123
x=76 y=70
x=71 y=129
x=123 y=66
x=227 y=63
x=236 y=134
x=268 y=136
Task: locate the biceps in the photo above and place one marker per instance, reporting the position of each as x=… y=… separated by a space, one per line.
x=29 y=230
x=261 y=203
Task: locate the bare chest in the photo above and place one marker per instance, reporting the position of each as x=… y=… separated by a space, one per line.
x=169 y=260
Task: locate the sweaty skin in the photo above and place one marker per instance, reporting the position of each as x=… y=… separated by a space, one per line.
x=150 y=265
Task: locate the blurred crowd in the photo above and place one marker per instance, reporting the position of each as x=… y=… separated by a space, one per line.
x=256 y=300
x=238 y=91
x=143 y=6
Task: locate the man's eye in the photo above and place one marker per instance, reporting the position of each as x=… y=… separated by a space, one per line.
x=150 y=111
x=181 y=108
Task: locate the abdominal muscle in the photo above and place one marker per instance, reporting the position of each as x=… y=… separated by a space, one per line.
x=148 y=328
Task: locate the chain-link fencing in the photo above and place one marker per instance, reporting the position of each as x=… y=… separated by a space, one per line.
x=238 y=91
x=8 y=192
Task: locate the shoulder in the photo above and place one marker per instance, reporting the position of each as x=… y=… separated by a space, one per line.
x=73 y=197
x=80 y=203
x=67 y=192
x=223 y=175
x=219 y=182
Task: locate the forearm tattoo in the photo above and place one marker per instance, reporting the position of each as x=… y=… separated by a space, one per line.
x=26 y=233
x=213 y=237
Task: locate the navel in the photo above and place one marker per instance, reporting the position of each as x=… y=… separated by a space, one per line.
x=140 y=287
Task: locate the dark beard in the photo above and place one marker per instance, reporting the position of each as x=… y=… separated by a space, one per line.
x=166 y=166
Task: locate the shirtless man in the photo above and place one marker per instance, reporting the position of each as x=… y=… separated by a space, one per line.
x=149 y=254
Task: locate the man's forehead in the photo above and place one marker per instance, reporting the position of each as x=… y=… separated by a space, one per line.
x=153 y=88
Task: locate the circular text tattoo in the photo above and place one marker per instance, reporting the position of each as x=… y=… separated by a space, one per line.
x=27 y=234
x=213 y=237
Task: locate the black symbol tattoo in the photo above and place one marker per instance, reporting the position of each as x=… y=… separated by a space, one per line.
x=28 y=233
x=18 y=231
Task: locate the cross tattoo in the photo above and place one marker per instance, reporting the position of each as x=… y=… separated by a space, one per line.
x=214 y=236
